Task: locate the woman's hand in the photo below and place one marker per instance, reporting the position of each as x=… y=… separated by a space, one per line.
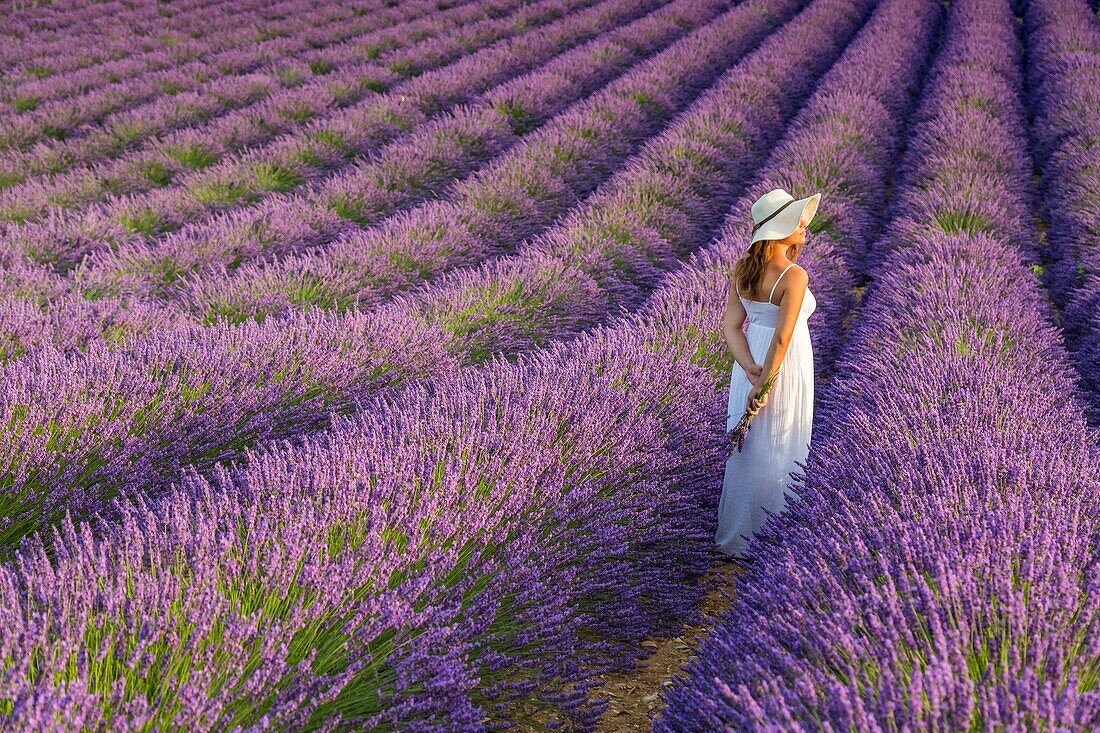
x=753 y=405
x=755 y=373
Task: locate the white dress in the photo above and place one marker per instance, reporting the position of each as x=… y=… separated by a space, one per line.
x=757 y=477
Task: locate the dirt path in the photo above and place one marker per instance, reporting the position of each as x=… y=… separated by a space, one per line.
x=634 y=696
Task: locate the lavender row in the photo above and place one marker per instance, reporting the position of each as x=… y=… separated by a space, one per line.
x=60 y=105
x=43 y=111
x=609 y=255
x=328 y=143
x=562 y=528
x=70 y=322
x=188 y=397
x=1064 y=74
x=410 y=169
x=340 y=80
x=82 y=41
x=497 y=209
x=152 y=369
x=47 y=85
x=201 y=93
x=939 y=570
x=184 y=31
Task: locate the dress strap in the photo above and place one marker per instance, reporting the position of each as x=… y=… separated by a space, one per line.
x=777 y=281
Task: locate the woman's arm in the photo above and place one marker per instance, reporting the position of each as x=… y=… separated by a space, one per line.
x=795 y=284
x=732 y=322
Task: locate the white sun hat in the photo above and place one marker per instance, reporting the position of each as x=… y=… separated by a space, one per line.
x=776 y=214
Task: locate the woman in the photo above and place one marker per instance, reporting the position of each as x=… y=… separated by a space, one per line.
x=768 y=289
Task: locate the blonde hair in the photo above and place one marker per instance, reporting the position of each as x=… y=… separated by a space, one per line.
x=750 y=268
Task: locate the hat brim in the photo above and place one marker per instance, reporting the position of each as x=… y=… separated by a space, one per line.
x=786 y=222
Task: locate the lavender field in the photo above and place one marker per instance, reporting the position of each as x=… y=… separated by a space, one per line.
x=362 y=366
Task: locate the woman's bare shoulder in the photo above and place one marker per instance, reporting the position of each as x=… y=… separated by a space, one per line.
x=797 y=274
x=792 y=274
x=795 y=280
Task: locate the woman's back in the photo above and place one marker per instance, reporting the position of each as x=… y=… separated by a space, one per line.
x=765 y=312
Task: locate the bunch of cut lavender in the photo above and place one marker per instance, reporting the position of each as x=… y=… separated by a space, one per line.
x=736 y=438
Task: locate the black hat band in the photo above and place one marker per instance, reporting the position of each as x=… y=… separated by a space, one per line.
x=771 y=215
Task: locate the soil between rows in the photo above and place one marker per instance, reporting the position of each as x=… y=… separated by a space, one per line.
x=636 y=695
